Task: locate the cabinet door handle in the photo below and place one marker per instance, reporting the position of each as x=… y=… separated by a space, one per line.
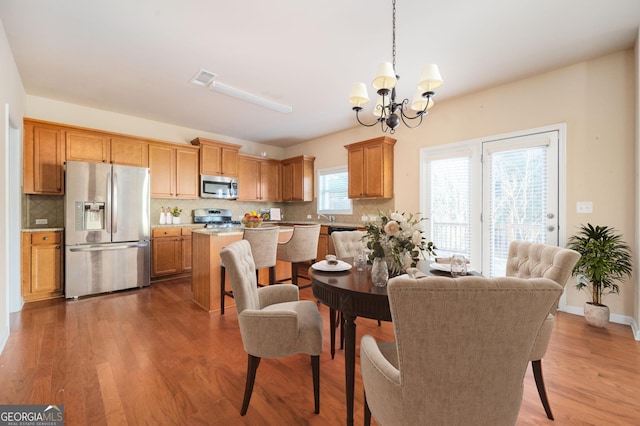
x=57 y=247
x=45 y=238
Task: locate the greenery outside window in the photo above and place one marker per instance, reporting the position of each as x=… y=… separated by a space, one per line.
x=333 y=191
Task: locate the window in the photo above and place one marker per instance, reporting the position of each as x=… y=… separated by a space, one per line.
x=333 y=191
x=450 y=202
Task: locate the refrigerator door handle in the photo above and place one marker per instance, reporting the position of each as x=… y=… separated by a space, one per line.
x=103 y=247
x=108 y=218
x=114 y=203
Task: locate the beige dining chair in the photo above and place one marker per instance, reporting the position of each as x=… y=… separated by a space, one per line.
x=534 y=260
x=264 y=245
x=454 y=362
x=348 y=243
x=301 y=247
x=274 y=323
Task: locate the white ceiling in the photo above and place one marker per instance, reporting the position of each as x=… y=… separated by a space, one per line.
x=137 y=57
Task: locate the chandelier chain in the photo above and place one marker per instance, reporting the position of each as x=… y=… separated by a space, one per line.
x=393 y=51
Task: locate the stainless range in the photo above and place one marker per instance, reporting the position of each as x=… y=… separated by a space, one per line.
x=215 y=218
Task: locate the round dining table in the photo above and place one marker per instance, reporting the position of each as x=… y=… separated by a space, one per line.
x=352 y=293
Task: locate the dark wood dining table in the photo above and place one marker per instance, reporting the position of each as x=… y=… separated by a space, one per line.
x=353 y=294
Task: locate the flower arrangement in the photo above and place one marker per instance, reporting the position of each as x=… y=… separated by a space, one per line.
x=175 y=212
x=398 y=238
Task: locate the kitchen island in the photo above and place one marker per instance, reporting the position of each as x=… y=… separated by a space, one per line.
x=206 y=246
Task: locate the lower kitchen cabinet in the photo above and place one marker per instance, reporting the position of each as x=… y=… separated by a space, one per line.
x=41 y=265
x=170 y=251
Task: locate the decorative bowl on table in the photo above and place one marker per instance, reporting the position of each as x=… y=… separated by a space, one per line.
x=252 y=222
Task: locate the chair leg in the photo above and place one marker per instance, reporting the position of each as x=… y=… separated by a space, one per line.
x=272 y=275
x=536 y=366
x=222 y=279
x=294 y=273
x=367 y=412
x=252 y=367
x=315 y=366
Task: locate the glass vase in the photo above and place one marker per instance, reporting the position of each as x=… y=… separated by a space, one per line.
x=379 y=272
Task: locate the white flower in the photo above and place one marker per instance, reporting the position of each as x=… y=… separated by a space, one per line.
x=392 y=227
x=398 y=217
x=416 y=238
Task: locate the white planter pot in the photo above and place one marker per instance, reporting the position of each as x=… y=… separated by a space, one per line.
x=597 y=316
x=176 y=220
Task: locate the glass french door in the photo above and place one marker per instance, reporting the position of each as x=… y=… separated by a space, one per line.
x=481 y=195
x=520 y=195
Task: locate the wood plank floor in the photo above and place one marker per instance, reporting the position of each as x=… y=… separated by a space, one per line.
x=150 y=356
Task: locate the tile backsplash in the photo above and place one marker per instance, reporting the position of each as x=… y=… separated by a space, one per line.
x=51 y=208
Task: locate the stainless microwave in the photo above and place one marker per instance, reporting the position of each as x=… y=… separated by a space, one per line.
x=218 y=187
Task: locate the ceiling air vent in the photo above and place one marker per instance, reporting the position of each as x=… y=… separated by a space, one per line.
x=203 y=78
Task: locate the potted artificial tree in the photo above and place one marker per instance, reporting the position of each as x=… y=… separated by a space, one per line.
x=606 y=259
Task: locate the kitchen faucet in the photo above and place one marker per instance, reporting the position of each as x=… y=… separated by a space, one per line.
x=330 y=218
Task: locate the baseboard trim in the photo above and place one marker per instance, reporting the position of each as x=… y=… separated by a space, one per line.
x=617 y=318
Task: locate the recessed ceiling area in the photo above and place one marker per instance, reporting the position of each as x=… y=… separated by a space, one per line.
x=139 y=57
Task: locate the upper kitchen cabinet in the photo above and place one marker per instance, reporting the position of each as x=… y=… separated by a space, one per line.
x=217 y=158
x=88 y=146
x=297 y=178
x=258 y=179
x=43 y=158
x=174 y=171
x=129 y=152
x=101 y=147
x=371 y=168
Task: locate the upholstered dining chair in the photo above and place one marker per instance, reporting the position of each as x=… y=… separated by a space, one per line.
x=345 y=244
x=461 y=350
x=301 y=247
x=348 y=243
x=264 y=245
x=273 y=321
x=533 y=260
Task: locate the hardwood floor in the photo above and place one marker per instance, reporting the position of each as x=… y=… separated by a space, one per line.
x=150 y=356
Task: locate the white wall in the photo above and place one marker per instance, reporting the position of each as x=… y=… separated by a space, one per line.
x=12 y=99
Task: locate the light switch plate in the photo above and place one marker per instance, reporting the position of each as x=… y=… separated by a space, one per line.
x=41 y=221
x=584 y=207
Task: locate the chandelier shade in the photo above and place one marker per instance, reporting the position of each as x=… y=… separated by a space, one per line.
x=387 y=111
x=359 y=95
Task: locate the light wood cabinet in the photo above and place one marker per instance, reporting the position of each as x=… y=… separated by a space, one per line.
x=217 y=158
x=258 y=179
x=323 y=242
x=106 y=148
x=174 y=171
x=297 y=178
x=88 y=146
x=370 y=165
x=171 y=251
x=129 y=152
x=41 y=268
x=43 y=158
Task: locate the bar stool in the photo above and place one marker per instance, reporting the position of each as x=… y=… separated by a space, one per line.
x=301 y=247
x=264 y=243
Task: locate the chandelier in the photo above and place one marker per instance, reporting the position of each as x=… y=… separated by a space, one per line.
x=389 y=113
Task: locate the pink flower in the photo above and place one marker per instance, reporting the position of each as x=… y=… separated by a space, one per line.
x=392 y=227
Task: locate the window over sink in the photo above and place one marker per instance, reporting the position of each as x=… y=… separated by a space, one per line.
x=333 y=191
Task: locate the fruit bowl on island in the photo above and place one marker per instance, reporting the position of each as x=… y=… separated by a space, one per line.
x=252 y=220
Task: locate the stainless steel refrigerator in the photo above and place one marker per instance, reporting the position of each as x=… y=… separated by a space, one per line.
x=107 y=243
